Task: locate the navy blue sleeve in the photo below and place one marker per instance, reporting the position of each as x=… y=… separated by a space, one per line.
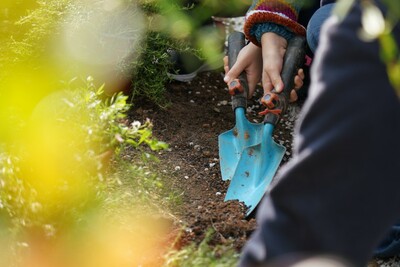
x=340 y=192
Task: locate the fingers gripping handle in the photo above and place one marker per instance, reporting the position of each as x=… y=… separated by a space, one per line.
x=293 y=61
x=238 y=88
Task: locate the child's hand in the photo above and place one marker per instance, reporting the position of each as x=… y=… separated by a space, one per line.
x=273 y=52
x=263 y=64
x=249 y=60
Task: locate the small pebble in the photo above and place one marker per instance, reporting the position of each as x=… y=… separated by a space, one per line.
x=206 y=153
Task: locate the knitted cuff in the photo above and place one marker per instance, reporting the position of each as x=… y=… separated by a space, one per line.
x=282 y=13
x=259 y=29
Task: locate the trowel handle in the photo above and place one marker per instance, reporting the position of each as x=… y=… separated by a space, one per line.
x=292 y=62
x=239 y=87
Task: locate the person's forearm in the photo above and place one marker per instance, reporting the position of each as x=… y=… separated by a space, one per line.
x=275 y=16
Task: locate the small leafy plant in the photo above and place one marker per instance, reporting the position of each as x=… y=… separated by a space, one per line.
x=58 y=172
x=203 y=255
x=106 y=120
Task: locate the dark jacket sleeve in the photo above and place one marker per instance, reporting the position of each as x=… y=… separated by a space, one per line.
x=339 y=194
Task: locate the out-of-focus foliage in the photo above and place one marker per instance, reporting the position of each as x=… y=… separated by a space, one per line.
x=390 y=51
x=125 y=42
x=104 y=120
x=203 y=255
x=56 y=175
x=69 y=196
x=64 y=200
x=379 y=26
x=149 y=75
x=180 y=26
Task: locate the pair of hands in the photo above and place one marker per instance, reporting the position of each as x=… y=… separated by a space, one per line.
x=263 y=64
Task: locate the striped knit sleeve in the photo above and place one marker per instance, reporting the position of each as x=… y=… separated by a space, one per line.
x=278 y=16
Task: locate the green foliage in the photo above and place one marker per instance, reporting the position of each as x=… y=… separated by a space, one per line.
x=25 y=37
x=133 y=185
x=376 y=26
x=203 y=255
x=342 y=8
x=150 y=73
x=65 y=165
x=172 y=25
x=28 y=39
x=17 y=199
x=68 y=162
x=393 y=9
x=105 y=120
x=83 y=125
x=389 y=48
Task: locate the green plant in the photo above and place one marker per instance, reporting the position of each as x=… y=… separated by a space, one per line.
x=203 y=255
x=376 y=26
x=58 y=171
x=150 y=73
x=30 y=24
x=105 y=120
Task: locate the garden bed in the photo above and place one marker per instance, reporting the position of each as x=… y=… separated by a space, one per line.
x=199 y=112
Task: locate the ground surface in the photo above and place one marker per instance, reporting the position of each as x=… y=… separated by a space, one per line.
x=199 y=112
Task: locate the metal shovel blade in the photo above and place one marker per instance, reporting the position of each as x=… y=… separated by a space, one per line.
x=232 y=143
x=255 y=170
x=258 y=163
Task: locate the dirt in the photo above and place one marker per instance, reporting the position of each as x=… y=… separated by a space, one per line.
x=200 y=111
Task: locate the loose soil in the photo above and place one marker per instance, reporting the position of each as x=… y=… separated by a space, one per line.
x=199 y=111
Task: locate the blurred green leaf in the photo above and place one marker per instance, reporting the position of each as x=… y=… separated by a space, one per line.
x=394 y=75
x=393 y=7
x=342 y=8
x=389 y=49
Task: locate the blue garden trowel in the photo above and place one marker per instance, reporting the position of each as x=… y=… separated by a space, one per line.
x=258 y=162
x=244 y=134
